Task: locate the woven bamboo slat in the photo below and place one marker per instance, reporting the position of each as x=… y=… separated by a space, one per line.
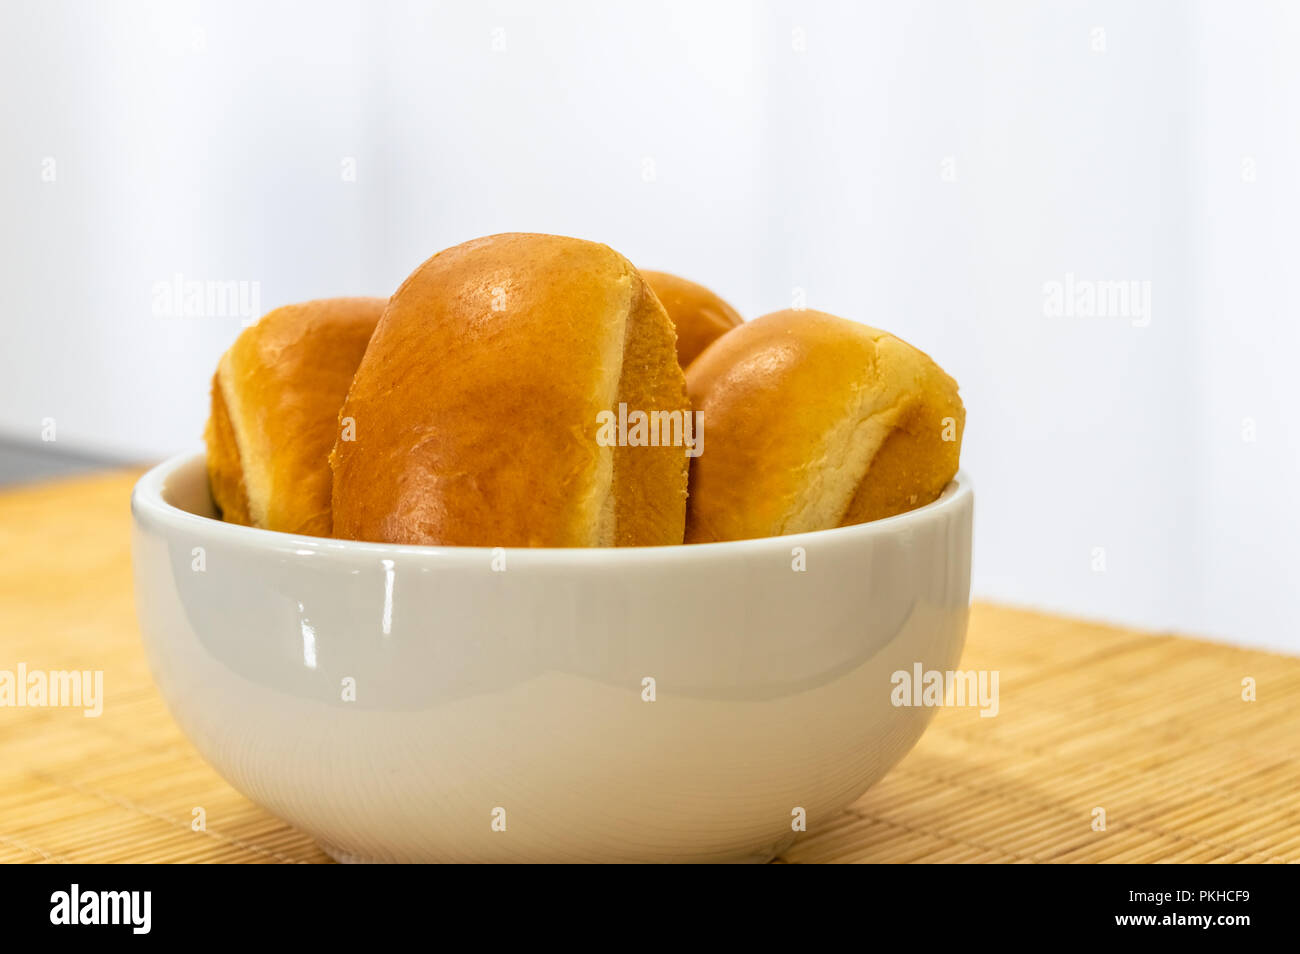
x=1152 y=729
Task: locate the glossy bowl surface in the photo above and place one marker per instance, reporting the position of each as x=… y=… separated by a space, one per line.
x=678 y=703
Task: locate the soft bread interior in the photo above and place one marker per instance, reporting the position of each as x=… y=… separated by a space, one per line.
x=921 y=453
x=604 y=500
x=254 y=462
x=650 y=382
x=225 y=467
x=831 y=479
x=888 y=453
x=630 y=479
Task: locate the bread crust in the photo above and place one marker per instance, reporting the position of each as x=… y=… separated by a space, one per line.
x=698 y=314
x=275 y=402
x=813 y=422
x=477 y=404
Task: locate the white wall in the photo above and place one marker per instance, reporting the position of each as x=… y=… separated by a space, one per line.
x=921 y=167
x=1245 y=248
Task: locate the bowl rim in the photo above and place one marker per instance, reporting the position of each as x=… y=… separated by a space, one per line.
x=150 y=509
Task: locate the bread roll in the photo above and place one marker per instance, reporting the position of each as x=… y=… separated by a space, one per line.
x=699 y=315
x=478 y=404
x=814 y=422
x=275 y=404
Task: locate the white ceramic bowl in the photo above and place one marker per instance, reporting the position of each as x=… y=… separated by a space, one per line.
x=516 y=697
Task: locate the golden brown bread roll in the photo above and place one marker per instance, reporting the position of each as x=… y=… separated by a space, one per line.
x=816 y=422
x=477 y=406
x=699 y=315
x=275 y=403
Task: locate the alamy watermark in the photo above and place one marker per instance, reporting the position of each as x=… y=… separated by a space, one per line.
x=935 y=688
x=223 y=298
x=78 y=689
x=1084 y=298
x=676 y=428
x=77 y=906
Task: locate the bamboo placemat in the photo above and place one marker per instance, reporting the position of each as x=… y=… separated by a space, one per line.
x=1152 y=729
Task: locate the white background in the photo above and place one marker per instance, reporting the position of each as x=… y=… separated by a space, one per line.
x=792 y=146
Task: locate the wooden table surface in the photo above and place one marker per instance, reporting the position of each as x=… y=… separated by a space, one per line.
x=1151 y=729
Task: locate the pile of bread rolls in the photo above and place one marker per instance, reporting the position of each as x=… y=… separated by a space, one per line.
x=477 y=407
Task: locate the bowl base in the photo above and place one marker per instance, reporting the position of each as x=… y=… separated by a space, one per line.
x=759 y=856
x=344 y=857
